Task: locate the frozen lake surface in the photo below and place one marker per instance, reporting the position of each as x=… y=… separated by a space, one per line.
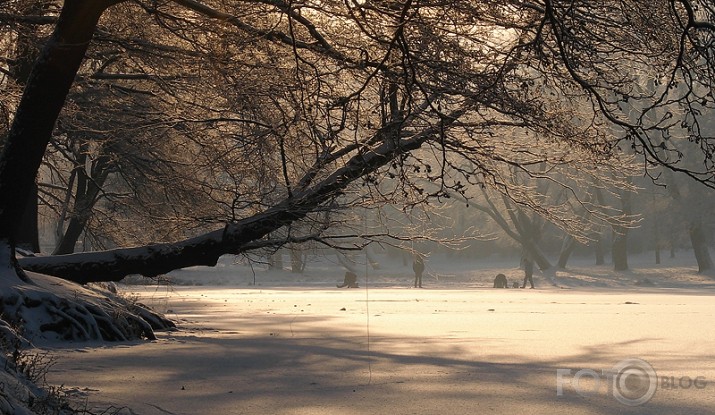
x=306 y=347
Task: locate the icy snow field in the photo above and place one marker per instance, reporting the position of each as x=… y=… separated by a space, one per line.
x=298 y=345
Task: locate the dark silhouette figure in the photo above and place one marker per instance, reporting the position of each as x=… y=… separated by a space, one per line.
x=418 y=265
x=500 y=281
x=515 y=284
x=528 y=272
x=349 y=281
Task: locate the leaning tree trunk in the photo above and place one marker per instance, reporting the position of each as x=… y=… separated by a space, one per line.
x=241 y=236
x=43 y=99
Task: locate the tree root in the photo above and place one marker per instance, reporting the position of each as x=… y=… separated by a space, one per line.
x=45 y=309
x=53 y=309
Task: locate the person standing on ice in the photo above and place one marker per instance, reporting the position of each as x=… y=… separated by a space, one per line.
x=528 y=270
x=418 y=266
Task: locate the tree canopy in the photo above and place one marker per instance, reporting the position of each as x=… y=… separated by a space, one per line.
x=233 y=121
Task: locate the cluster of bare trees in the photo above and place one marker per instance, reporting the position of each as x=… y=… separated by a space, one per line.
x=210 y=127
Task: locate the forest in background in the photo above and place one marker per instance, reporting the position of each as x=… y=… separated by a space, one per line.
x=175 y=125
x=144 y=137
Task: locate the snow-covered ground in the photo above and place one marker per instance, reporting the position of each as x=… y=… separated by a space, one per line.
x=288 y=344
